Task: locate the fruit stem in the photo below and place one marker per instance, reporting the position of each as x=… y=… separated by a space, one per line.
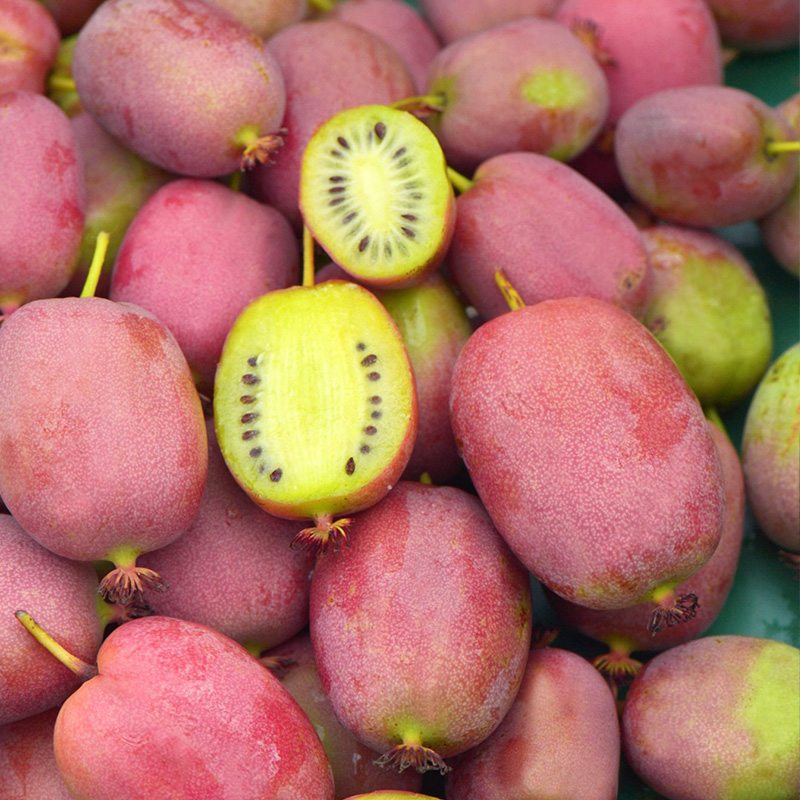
x=460 y=183
x=422 y=103
x=308 y=257
x=425 y=478
x=96 y=267
x=510 y=294
x=774 y=148
x=235 y=182
x=322 y=5
x=712 y=415
x=71 y=662
x=61 y=83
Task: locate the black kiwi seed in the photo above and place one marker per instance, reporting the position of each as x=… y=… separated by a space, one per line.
x=380 y=130
x=275 y=475
x=337 y=179
x=370 y=430
x=252 y=361
x=369 y=360
x=247 y=398
x=336 y=201
x=249 y=378
x=350 y=217
x=249 y=417
x=408 y=232
x=337 y=189
x=343 y=142
x=350 y=466
x=255 y=452
x=376 y=414
x=373 y=376
x=375 y=399
x=398 y=153
x=361 y=346
x=365 y=448
x=250 y=434
x=362 y=245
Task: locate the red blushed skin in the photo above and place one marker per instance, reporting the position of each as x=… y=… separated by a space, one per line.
x=506 y=221
x=266 y=19
x=27 y=763
x=181 y=711
x=712 y=582
x=233 y=569
x=102 y=438
x=62 y=595
x=351 y=761
x=195 y=255
x=327 y=66
x=453 y=22
x=757 y=25
x=42 y=185
x=559 y=741
x=485 y=111
x=697 y=155
x=589 y=451
x=30 y=40
x=421 y=628
x=398 y=24
x=118 y=183
x=157 y=75
x=682 y=727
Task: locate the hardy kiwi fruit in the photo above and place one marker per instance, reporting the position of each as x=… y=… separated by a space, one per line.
x=315 y=405
x=375 y=193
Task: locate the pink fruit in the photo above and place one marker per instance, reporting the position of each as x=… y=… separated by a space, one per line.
x=266 y=19
x=517 y=216
x=41 y=182
x=590 y=453
x=758 y=25
x=559 y=741
x=352 y=763
x=195 y=255
x=103 y=449
x=63 y=594
x=157 y=75
x=527 y=85
x=421 y=628
x=176 y=709
x=29 y=40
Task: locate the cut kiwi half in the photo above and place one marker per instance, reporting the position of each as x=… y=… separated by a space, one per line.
x=375 y=193
x=315 y=405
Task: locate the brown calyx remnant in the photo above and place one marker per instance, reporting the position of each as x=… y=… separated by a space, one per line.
x=682 y=609
x=325 y=533
x=790 y=559
x=422 y=759
x=617 y=667
x=591 y=35
x=262 y=149
x=278 y=665
x=124 y=584
x=543 y=635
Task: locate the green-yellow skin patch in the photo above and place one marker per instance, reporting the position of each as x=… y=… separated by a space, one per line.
x=375 y=193
x=555 y=89
x=709 y=312
x=314 y=398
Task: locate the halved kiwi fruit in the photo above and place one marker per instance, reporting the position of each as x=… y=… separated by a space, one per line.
x=315 y=404
x=374 y=192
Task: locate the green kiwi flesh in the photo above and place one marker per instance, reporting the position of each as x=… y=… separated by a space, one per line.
x=315 y=405
x=374 y=192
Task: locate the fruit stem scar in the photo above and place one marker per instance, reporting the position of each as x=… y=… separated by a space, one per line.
x=510 y=294
x=71 y=662
x=459 y=181
x=308 y=257
x=93 y=276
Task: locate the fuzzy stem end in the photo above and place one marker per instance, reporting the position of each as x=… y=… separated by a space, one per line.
x=682 y=609
x=422 y=759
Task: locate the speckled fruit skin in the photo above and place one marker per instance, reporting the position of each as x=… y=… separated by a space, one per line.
x=157 y=75
x=709 y=311
x=266 y=19
x=696 y=155
x=195 y=255
x=528 y=85
x=771 y=451
x=559 y=741
x=41 y=184
x=62 y=595
x=507 y=220
x=717 y=717
x=399 y=24
x=627 y=627
x=589 y=451
x=102 y=440
x=30 y=40
x=233 y=569
x=351 y=761
x=757 y=25
x=454 y=22
x=327 y=66
x=181 y=711
x=421 y=628
x=27 y=763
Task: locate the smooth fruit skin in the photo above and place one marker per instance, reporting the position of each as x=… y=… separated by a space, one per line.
x=63 y=596
x=771 y=451
x=157 y=75
x=27 y=764
x=102 y=439
x=589 y=451
x=718 y=717
x=41 y=183
x=559 y=741
x=265 y=19
x=29 y=40
x=627 y=627
x=421 y=628
x=351 y=761
x=512 y=218
x=757 y=25
x=181 y=711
